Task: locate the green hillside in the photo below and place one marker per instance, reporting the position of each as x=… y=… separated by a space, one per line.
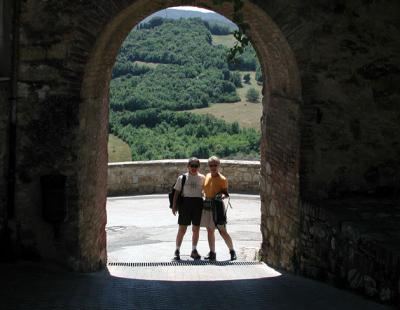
x=171 y=67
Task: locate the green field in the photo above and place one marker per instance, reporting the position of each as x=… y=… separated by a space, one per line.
x=118 y=150
x=247 y=114
x=229 y=40
x=253 y=83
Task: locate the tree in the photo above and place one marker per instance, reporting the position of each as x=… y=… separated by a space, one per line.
x=253 y=95
x=236 y=79
x=247 y=78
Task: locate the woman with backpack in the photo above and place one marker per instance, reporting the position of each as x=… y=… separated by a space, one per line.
x=190 y=209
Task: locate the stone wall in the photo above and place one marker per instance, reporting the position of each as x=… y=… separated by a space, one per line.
x=348 y=244
x=349 y=60
x=6 y=18
x=348 y=57
x=149 y=177
x=4 y=148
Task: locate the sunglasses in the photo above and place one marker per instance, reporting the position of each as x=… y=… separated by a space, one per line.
x=194 y=166
x=212 y=165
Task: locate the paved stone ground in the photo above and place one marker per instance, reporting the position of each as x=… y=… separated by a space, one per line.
x=142 y=228
x=27 y=286
x=151 y=281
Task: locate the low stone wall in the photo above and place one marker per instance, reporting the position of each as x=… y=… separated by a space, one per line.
x=157 y=176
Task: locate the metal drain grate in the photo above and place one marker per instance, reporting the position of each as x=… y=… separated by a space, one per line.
x=183 y=263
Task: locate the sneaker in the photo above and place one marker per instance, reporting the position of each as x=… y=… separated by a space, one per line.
x=195 y=255
x=233 y=255
x=177 y=255
x=212 y=256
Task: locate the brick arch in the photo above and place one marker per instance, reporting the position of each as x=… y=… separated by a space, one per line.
x=280 y=125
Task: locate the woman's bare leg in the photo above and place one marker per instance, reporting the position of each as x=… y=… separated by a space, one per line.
x=211 y=238
x=227 y=238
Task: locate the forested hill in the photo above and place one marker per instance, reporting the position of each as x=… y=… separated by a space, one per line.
x=169 y=66
x=174 y=42
x=191 y=72
x=210 y=17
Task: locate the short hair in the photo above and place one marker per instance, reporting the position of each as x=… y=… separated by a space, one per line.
x=214 y=159
x=193 y=160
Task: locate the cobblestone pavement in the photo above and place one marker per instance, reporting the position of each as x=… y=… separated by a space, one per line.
x=141 y=275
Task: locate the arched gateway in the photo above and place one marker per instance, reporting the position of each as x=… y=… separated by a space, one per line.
x=330 y=161
x=280 y=124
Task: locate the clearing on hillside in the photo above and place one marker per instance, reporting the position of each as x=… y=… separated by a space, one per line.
x=151 y=65
x=118 y=150
x=226 y=40
x=246 y=113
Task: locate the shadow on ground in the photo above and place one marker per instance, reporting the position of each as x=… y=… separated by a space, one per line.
x=30 y=286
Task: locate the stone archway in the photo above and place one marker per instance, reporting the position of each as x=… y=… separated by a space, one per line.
x=280 y=127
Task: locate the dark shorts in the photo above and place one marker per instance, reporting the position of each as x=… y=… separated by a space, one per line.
x=190 y=211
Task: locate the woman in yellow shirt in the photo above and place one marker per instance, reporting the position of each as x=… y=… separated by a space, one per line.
x=215 y=184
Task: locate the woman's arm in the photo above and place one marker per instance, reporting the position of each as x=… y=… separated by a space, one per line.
x=224 y=191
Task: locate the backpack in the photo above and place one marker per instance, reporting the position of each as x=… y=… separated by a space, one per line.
x=172 y=193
